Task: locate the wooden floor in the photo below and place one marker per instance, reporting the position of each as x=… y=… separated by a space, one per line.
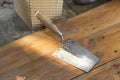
x=98 y=30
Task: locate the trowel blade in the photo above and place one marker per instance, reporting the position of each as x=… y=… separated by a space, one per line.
x=76 y=55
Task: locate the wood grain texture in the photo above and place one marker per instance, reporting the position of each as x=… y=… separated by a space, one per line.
x=42 y=64
x=109 y=71
x=38 y=47
x=92 y=21
x=11 y=56
x=106 y=46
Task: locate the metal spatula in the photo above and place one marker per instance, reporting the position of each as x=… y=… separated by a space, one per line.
x=70 y=51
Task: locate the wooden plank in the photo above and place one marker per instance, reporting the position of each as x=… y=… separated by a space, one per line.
x=39 y=46
x=92 y=21
x=45 y=67
x=84 y=27
x=109 y=71
x=34 y=72
x=104 y=44
x=41 y=69
x=11 y=56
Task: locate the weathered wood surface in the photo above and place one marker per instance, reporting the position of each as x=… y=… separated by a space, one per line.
x=36 y=62
x=110 y=71
x=105 y=45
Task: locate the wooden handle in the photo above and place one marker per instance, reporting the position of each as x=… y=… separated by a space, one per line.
x=48 y=23
x=45 y=20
